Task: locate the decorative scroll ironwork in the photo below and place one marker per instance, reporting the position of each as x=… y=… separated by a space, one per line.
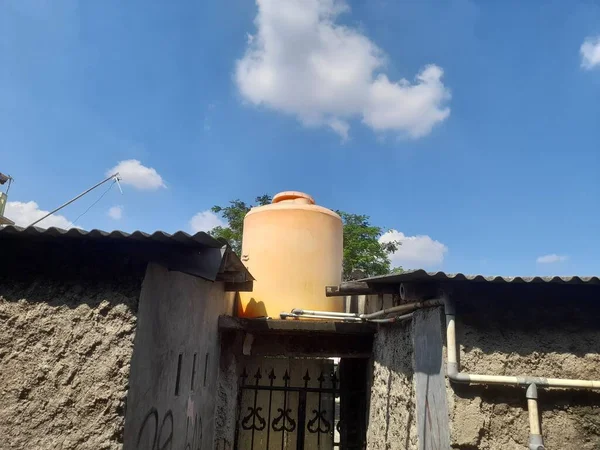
x=289 y=416
x=254 y=414
x=279 y=424
x=319 y=423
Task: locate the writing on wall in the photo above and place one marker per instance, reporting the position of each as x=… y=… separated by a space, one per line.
x=158 y=433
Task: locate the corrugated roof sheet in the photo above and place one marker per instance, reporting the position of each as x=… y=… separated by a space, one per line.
x=230 y=262
x=179 y=238
x=423 y=276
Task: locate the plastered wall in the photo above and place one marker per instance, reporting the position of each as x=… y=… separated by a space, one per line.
x=171 y=402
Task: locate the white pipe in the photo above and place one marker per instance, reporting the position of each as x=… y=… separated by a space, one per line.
x=325 y=316
x=536 y=441
x=460 y=377
x=408 y=308
x=308 y=312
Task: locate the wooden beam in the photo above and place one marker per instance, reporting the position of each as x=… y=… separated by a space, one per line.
x=272 y=326
x=348 y=288
x=433 y=428
x=312 y=345
x=245 y=286
x=359 y=288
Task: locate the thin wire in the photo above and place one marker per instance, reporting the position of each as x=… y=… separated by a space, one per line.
x=93 y=204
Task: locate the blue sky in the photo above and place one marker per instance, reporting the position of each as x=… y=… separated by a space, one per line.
x=484 y=158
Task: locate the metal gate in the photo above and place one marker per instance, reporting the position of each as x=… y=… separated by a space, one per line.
x=291 y=404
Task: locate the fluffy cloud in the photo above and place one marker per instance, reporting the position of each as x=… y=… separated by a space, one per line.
x=133 y=173
x=205 y=221
x=302 y=63
x=590 y=52
x=25 y=213
x=415 y=252
x=115 y=212
x=552 y=258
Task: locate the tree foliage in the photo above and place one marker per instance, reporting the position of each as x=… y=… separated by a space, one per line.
x=362 y=250
x=234 y=214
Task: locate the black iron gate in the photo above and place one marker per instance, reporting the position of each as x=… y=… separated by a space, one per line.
x=297 y=411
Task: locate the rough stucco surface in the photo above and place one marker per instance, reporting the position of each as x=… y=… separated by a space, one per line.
x=392 y=423
x=227 y=388
x=65 y=349
x=564 y=341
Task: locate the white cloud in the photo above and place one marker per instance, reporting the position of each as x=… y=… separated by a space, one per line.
x=415 y=252
x=302 y=63
x=552 y=258
x=115 y=212
x=590 y=52
x=205 y=221
x=25 y=213
x=133 y=173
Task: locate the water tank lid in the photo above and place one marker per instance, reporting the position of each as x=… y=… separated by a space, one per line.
x=293 y=196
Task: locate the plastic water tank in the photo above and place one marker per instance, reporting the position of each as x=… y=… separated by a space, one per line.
x=293 y=248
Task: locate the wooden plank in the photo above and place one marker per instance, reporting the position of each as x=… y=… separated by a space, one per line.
x=348 y=288
x=245 y=286
x=273 y=326
x=310 y=345
x=430 y=378
x=359 y=288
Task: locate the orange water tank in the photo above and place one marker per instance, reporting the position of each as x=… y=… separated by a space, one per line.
x=293 y=248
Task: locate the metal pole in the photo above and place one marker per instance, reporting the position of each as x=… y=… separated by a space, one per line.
x=72 y=200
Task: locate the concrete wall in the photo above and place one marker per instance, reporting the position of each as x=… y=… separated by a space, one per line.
x=171 y=402
x=553 y=335
x=66 y=340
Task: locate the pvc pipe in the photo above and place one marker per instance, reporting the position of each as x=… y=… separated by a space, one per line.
x=455 y=375
x=308 y=312
x=536 y=441
x=407 y=307
x=325 y=316
x=392 y=319
x=328 y=316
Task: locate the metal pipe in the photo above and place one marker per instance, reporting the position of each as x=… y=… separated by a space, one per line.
x=392 y=319
x=285 y=315
x=308 y=312
x=375 y=317
x=115 y=176
x=455 y=375
x=407 y=307
x=536 y=441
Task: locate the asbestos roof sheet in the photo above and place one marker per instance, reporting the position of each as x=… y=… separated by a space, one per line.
x=179 y=238
x=421 y=276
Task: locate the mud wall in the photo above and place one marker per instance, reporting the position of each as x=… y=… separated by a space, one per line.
x=171 y=403
x=66 y=340
x=392 y=422
x=553 y=333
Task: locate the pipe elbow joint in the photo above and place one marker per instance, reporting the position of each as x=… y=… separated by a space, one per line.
x=532 y=391
x=536 y=442
x=449 y=306
x=456 y=376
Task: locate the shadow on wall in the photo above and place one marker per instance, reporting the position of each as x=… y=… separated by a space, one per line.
x=253 y=309
x=70 y=274
x=538 y=330
x=532 y=321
